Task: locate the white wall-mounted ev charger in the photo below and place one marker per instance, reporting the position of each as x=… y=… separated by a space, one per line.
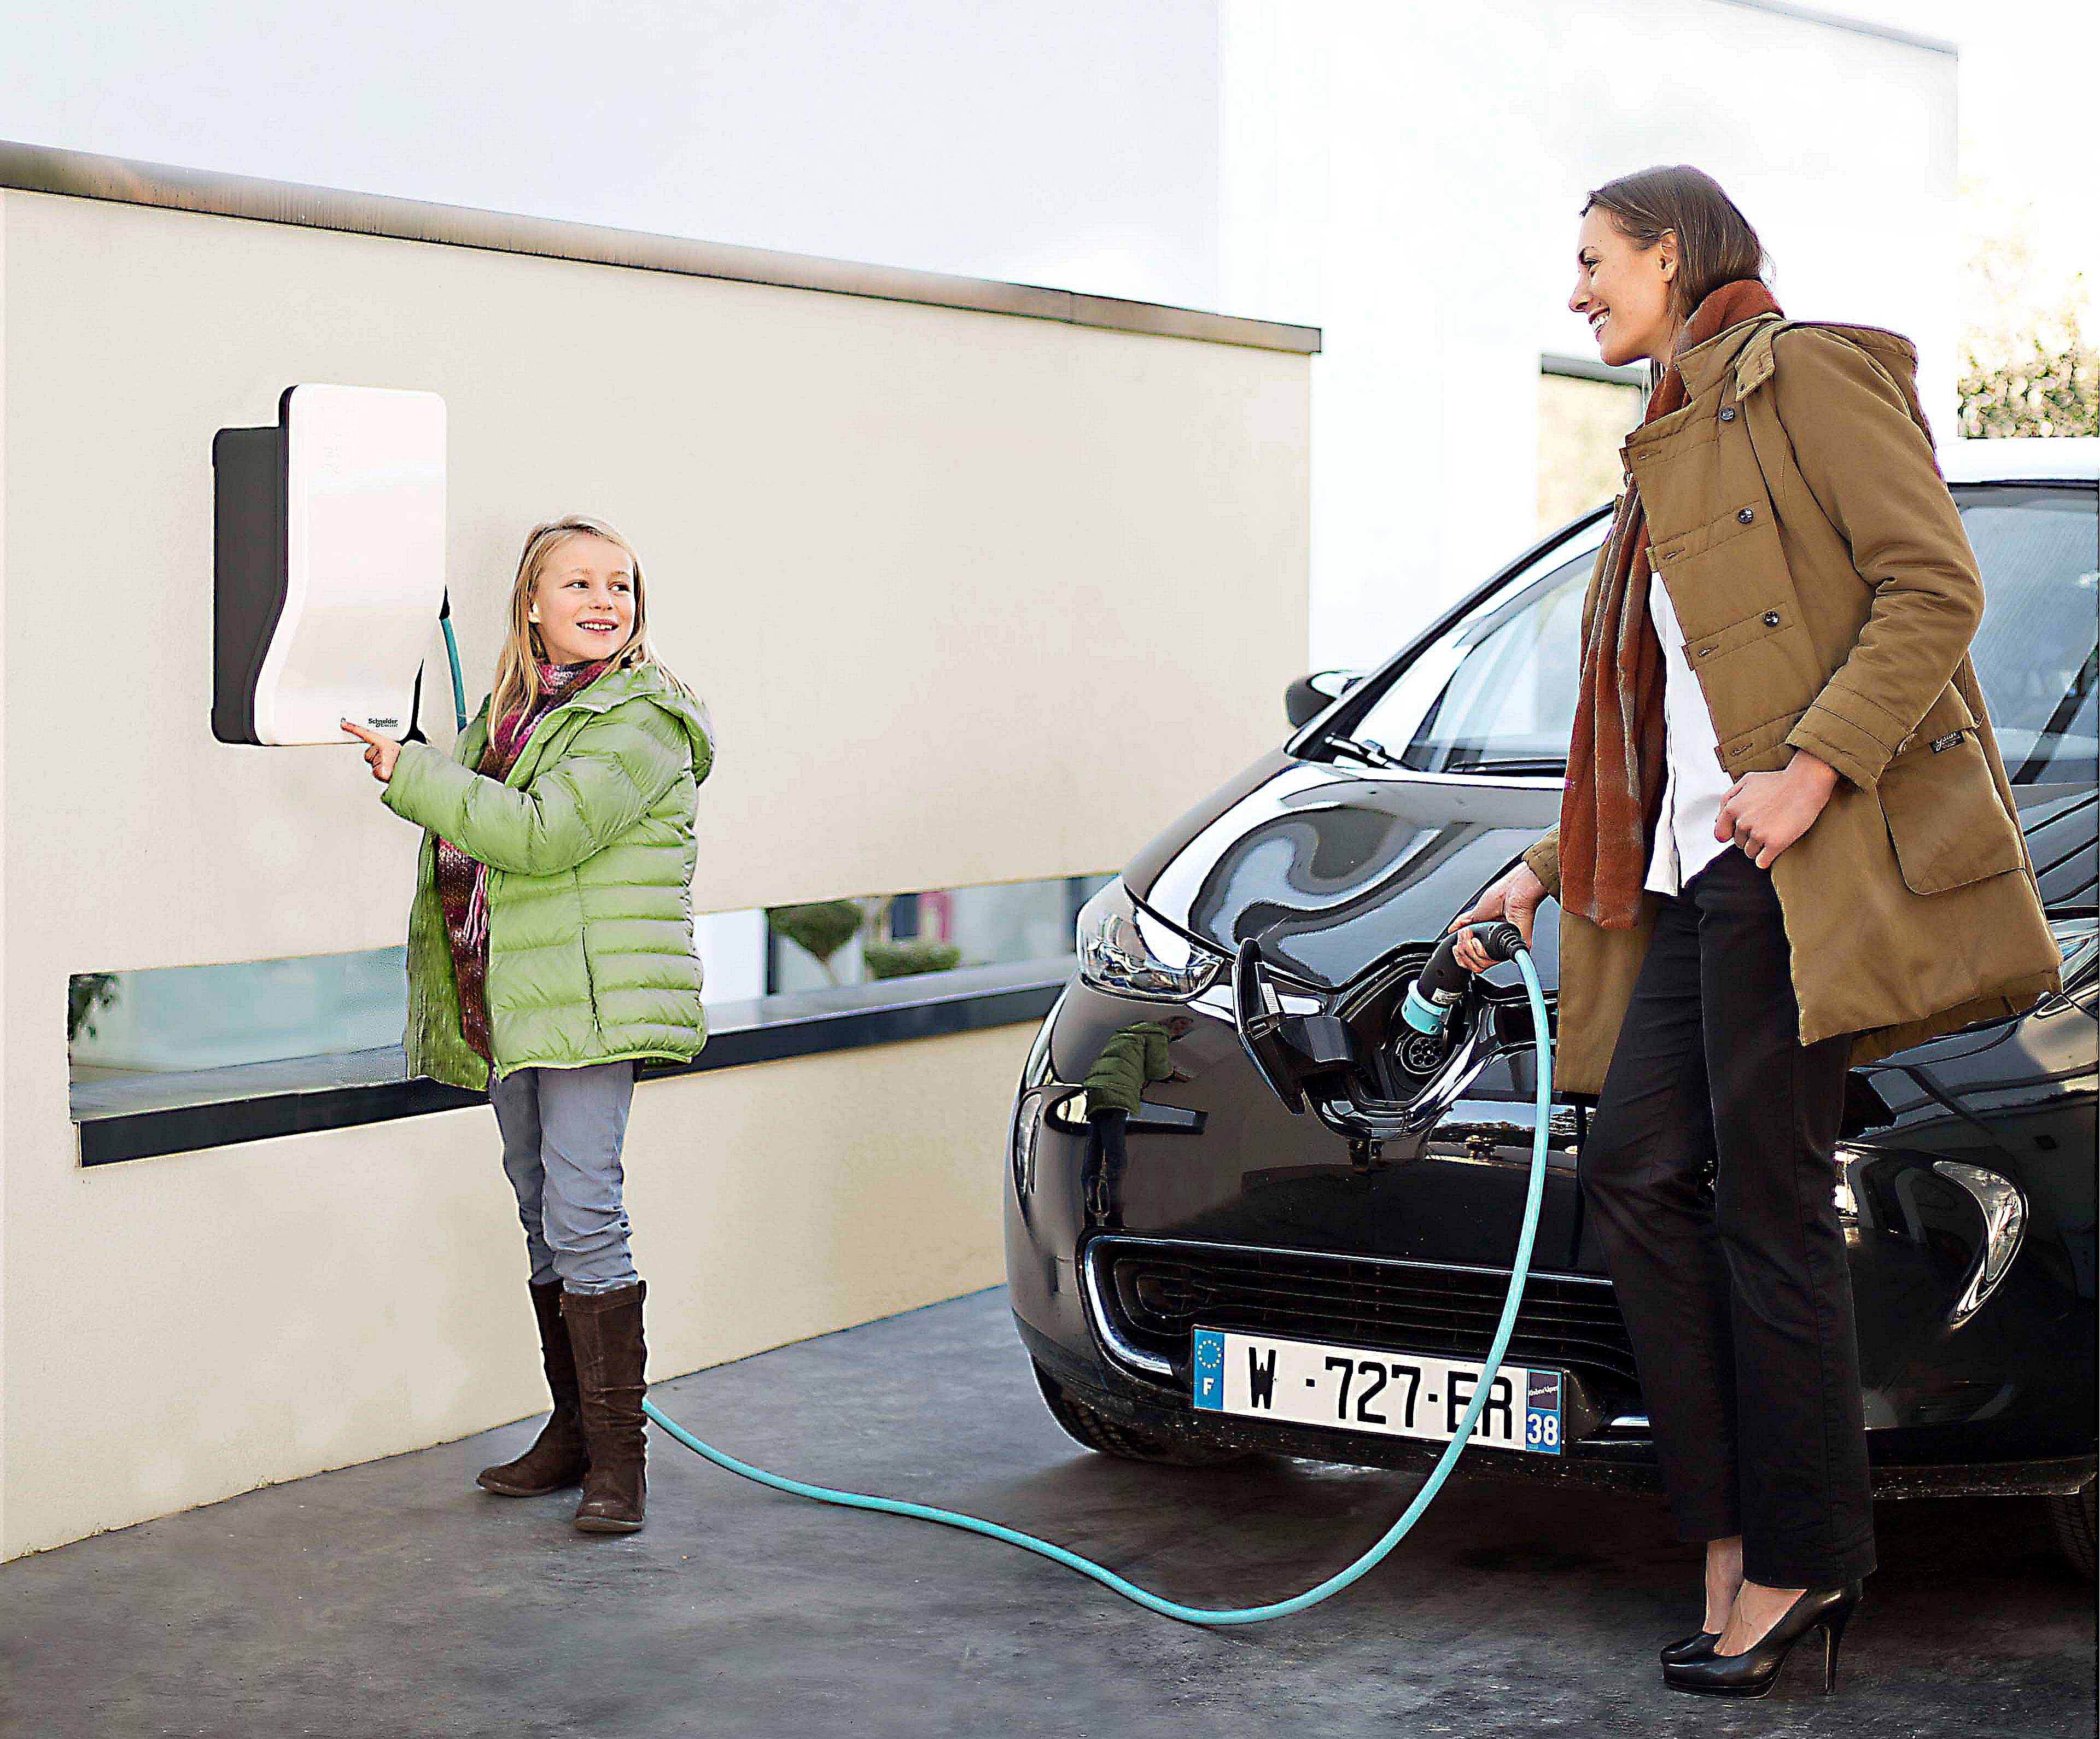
x=329 y=564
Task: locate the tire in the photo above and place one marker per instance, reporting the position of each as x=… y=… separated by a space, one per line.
x=1097 y=1432
x=2072 y=1521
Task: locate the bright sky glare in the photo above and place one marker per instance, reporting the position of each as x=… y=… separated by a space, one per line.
x=2026 y=114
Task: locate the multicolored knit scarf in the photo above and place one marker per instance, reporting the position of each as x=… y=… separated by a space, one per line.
x=1617 y=757
x=463 y=881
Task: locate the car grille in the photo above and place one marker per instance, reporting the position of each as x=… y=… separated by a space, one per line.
x=1158 y=1291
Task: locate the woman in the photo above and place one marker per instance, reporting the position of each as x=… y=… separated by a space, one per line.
x=1787 y=845
x=550 y=948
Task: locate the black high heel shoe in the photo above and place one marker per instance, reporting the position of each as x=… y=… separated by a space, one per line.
x=1755 y=1671
x=1690 y=1648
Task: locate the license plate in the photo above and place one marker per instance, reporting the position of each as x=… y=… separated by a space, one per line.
x=1359 y=1388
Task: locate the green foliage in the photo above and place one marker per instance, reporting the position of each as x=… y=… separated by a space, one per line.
x=898 y=959
x=2024 y=366
x=819 y=928
x=85 y=992
x=2050 y=387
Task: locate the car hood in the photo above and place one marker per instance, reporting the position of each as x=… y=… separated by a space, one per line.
x=1328 y=868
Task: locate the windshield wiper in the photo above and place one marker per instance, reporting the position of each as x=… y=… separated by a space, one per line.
x=2059 y=723
x=1372 y=754
x=1516 y=764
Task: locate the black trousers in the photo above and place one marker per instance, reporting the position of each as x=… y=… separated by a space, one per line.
x=1710 y=1174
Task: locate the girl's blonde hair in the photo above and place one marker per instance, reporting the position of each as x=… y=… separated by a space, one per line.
x=518 y=666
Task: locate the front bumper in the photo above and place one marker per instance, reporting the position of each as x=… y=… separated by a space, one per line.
x=1223 y=1188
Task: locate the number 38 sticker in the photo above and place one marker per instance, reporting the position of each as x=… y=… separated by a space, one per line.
x=1541 y=1412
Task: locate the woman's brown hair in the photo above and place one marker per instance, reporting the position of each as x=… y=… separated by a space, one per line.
x=1715 y=243
x=518 y=665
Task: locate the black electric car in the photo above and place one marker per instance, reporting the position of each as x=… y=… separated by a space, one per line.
x=1307 y=1246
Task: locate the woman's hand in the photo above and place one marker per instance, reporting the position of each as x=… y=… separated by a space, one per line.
x=1765 y=813
x=382 y=752
x=1515 y=896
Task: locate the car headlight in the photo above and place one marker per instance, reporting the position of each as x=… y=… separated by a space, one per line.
x=1130 y=953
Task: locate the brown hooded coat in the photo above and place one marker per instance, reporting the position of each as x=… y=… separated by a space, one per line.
x=1828 y=595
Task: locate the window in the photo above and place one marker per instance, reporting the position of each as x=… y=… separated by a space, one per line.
x=842 y=942
x=1586 y=409
x=175 y=1036
x=175 y=1019
x=2039 y=549
x=1496 y=693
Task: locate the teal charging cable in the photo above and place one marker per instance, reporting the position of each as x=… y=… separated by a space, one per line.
x=451 y=652
x=1334 y=1584
x=1101 y=1573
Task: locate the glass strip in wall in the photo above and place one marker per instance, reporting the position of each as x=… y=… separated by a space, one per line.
x=232 y=1029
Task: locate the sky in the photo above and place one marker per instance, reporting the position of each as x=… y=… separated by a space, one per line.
x=2026 y=102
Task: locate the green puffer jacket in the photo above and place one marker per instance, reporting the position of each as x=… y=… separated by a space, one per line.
x=590 y=852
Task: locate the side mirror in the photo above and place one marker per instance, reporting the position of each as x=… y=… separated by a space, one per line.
x=1310 y=696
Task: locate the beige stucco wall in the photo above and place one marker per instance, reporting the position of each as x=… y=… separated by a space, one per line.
x=973 y=598
x=217 y=1320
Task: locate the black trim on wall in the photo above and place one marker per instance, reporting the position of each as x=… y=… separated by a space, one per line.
x=767 y=1030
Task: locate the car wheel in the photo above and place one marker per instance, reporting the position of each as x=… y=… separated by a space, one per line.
x=1096 y=1431
x=2072 y=1519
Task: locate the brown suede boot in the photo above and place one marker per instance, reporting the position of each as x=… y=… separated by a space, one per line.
x=605 y=1329
x=557 y=1458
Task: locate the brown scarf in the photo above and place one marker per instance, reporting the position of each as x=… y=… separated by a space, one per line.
x=463 y=881
x=1618 y=756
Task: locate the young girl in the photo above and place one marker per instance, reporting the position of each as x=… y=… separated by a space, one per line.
x=550 y=947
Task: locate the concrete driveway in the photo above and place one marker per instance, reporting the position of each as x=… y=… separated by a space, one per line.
x=397 y=1599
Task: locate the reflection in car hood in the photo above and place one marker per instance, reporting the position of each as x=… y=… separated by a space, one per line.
x=1329 y=868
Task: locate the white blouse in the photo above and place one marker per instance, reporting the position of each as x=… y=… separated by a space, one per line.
x=1684 y=842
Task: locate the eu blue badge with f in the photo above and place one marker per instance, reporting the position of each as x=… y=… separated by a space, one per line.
x=1210 y=1365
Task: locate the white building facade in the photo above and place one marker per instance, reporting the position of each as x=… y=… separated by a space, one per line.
x=1407 y=178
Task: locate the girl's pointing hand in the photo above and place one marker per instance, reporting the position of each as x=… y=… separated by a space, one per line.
x=381 y=753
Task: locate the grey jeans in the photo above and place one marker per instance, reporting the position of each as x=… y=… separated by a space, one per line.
x=562 y=1133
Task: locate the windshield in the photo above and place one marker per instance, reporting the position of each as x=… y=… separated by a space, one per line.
x=2039 y=551
x=1496 y=693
